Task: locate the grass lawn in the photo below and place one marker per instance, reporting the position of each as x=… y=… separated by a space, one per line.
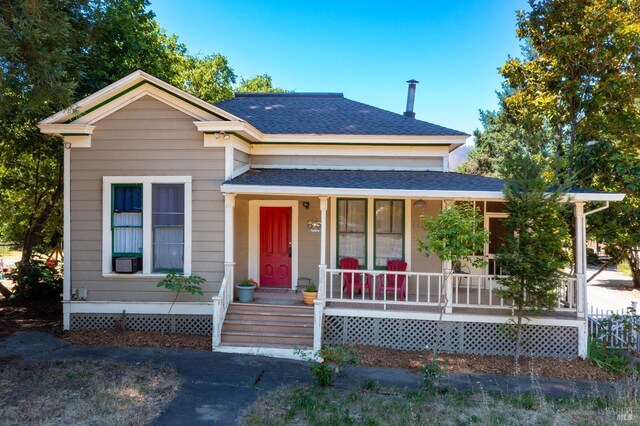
x=83 y=392
x=310 y=405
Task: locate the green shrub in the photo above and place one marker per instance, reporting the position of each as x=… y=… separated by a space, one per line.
x=40 y=278
x=432 y=372
x=327 y=363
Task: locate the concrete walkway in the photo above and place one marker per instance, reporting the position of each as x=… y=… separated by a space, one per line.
x=219 y=388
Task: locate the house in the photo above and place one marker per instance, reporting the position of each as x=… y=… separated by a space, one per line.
x=280 y=188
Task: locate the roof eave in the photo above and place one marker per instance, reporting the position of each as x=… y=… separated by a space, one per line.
x=127 y=83
x=404 y=193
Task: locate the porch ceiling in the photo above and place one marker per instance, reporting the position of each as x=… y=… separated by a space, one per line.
x=422 y=184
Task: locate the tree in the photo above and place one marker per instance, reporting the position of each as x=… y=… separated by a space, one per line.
x=259 y=84
x=209 y=78
x=580 y=74
x=53 y=53
x=533 y=249
x=618 y=226
x=503 y=134
x=455 y=235
x=580 y=77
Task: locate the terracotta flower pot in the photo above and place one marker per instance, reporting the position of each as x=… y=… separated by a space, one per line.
x=309 y=297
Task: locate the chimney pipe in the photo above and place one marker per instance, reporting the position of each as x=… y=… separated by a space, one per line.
x=411 y=95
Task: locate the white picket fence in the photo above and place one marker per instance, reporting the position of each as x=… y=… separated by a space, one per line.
x=603 y=323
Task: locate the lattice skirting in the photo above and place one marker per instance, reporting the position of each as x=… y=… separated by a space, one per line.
x=185 y=324
x=456 y=337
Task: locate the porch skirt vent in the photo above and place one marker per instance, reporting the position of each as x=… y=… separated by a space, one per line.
x=479 y=338
x=184 y=324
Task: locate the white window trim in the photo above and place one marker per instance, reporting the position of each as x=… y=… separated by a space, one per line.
x=254 y=236
x=333 y=241
x=146 y=181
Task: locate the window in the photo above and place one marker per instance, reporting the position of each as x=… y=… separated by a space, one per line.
x=168 y=227
x=352 y=230
x=389 y=231
x=126 y=220
x=148 y=217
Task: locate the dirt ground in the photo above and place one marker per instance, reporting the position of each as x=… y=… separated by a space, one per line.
x=44 y=315
x=83 y=392
x=131 y=338
x=577 y=369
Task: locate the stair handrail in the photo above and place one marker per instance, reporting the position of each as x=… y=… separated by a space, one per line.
x=220 y=304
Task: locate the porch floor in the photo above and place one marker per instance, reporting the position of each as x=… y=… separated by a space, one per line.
x=278 y=296
x=288 y=297
x=434 y=309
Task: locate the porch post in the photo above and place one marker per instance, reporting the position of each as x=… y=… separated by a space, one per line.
x=229 y=205
x=581 y=259
x=323 y=247
x=318 y=304
x=447 y=265
x=581 y=279
x=66 y=239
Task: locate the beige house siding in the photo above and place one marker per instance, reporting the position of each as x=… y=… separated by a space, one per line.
x=240 y=159
x=425 y=163
x=145 y=138
x=308 y=242
x=420 y=262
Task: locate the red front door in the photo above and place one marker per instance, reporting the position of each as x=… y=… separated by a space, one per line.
x=275 y=246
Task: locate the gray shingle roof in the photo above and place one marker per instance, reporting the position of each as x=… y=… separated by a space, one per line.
x=324 y=113
x=369 y=179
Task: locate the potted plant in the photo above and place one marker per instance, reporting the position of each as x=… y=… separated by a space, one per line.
x=309 y=294
x=245 y=290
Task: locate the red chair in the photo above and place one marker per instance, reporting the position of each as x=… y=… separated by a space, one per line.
x=352 y=280
x=394 y=282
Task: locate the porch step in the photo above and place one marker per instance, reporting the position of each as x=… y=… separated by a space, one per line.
x=261 y=339
x=268 y=326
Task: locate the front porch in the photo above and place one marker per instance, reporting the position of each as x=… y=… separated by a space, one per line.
x=373 y=305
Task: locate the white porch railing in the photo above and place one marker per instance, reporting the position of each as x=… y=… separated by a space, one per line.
x=220 y=304
x=427 y=289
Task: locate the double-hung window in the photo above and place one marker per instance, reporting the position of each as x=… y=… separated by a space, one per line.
x=148 y=217
x=389 y=231
x=354 y=230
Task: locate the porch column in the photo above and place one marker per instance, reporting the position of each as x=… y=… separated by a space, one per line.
x=323 y=246
x=581 y=259
x=66 y=239
x=447 y=265
x=229 y=205
x=318 y=304
x=581 y=279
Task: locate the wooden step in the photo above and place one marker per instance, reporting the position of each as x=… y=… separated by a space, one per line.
x=251 y=338
x=269 y=326
x=263 y=307
x=262 y=317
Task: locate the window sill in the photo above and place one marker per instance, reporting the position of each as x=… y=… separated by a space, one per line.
x=137 y=275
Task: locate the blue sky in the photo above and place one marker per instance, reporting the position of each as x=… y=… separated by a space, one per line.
x=365 y=49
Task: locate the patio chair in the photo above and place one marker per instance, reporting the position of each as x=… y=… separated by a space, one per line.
x=394 y=282
x=352 y=280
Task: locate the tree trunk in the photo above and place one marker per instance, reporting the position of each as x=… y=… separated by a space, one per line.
x=634 y=264
x=33 y=232
x=516 y=356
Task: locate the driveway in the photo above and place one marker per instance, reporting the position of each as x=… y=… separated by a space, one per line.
x=611 y=290
x=219 y=388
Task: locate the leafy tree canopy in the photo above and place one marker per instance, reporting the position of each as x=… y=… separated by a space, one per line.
x=56 y=52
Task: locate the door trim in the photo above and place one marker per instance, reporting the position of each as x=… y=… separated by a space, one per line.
x=254 y=236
